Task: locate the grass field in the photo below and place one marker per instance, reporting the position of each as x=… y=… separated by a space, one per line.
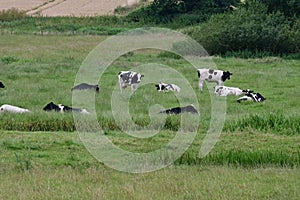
x=256 y=157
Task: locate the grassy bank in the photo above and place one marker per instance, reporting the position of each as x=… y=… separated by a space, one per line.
x=56 y=165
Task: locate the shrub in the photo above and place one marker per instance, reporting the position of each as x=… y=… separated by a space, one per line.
x=11 y=15
x=248 y=28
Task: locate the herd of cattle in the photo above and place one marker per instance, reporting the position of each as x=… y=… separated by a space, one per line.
x=133 y=79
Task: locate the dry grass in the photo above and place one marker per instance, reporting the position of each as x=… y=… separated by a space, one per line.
x=170 y=183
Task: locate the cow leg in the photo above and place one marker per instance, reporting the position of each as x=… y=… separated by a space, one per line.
x=220 y=83
x=200 y=85
x=133 y=86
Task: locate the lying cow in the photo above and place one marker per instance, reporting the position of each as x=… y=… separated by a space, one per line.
x=129 y=78
x=225 y=91
x=12 y=109
x=179 y=110
x=1 y=85
x=62 y=108
x=85 y=86
x=167 y=87
x=251 y=96
x=212 y=75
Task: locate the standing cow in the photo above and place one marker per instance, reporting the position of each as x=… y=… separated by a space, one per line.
x=129 y=78
x=212 y=75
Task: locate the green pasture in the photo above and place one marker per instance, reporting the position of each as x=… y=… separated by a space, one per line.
x=42 y=157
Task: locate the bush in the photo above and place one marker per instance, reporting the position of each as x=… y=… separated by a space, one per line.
x=251 y=28
x=11 y=15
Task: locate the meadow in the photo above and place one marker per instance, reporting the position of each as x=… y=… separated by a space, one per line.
x=256 y=157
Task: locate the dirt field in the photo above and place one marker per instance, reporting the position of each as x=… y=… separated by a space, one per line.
x=66 y=7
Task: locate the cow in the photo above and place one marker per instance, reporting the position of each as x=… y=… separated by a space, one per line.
x=178 y=110
x=167 y=87
x=225 y=91
x=212 y=75
x=251 y=96
x=62 y=108
x=129 y=78
x=1 y=85
x=85 y=86
x=13 y=109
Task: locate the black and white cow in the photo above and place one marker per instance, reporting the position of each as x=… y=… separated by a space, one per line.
x=1 y=85
x=225 y=91
x=178 y=110
x=85 y=86
x=12 y=109
x=251 y=96
x=167 y=87
x=212 y=75
x=62 y=108
x=129 y=78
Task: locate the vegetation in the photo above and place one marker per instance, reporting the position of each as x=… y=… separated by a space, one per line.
x=12 y=14
x=249 y=28
x=53 y=79
x=254 y=26
x=257 y=153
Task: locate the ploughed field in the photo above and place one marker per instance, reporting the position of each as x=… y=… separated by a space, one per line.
x=64 y=7
x=257 y=155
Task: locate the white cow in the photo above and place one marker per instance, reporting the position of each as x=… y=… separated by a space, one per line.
x=12 y=109
x=167 y=87
x=212 y=75
x=225 y=91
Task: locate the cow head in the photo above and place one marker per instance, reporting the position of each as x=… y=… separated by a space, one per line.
x=1 y=85
x=248 y=91
x=157 y=86
x=51 y=106
x=260 y=97
x=97 y=88
x=226 y=75
x=218 y=88
x=139 y=77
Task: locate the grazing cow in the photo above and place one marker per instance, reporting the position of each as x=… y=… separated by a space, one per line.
x=212 y=75
x=178 y=110
x=251 y=96
x=128 y=78
x=167 y=87
x=62 y=108
x=85 y=86
x=1 y=85
x=12 y=109
x=225 y=91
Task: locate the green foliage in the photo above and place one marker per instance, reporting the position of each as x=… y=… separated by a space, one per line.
x=179 y=13
x=11 y=15
x=249 y=28
x=9 y=59
x=290 y=8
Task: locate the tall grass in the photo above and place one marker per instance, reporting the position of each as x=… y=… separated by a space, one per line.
x=270 y=122
x=12 y=15
x=240 y=158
